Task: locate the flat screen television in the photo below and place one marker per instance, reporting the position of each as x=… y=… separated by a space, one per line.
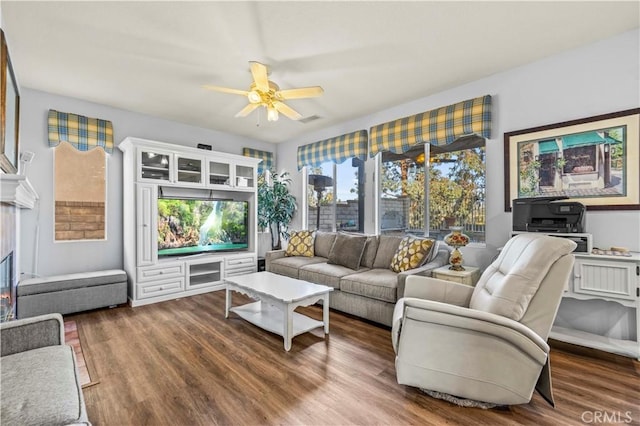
x=189 y=226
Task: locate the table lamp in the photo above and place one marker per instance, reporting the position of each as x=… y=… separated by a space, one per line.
x=456 y=239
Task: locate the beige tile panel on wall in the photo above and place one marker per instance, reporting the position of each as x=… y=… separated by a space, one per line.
x=80 y=188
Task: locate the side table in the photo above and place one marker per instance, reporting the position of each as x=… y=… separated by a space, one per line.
x=469 y=276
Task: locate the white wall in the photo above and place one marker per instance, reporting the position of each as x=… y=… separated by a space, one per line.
x=36 y=237
x=596 y=79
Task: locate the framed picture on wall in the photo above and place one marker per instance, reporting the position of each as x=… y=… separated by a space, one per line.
x=10 y=117
x=594 y=161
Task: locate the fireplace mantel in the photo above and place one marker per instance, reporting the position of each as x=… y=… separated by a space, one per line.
x=17 y=190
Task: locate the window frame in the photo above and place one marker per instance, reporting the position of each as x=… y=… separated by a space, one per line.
x=474 y=143
x=334 y=173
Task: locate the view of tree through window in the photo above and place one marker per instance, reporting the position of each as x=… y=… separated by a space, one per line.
x=456 y=188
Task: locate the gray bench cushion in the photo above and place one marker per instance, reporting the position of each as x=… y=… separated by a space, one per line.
x=70 y=281
x=380 y=284
x=40 y=387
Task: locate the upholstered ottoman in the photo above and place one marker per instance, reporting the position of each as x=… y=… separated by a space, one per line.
x=71 y=293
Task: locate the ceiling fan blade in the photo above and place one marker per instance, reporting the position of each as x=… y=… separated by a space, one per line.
x=247 y=110
x=226 y=90
x=286 y=110
x=259 y=73
x=303 y=92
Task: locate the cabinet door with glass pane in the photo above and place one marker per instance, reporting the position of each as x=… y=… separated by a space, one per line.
x=154 y=165
x=219 y=174
x=245 y=177
x=189 y=170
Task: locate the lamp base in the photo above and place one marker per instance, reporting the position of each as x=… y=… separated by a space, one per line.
x=456 y=260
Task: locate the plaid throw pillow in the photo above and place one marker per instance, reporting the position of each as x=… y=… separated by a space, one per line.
x=411 y=253
x=300 y=244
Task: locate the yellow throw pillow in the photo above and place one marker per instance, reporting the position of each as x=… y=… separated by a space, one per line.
x=300 y=244
x=411 y=253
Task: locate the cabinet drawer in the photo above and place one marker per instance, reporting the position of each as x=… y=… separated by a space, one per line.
x=173 y=270
x=240 y=271
x=235 y=263
x=159 y=288
x=468 y=277
x=450 y=278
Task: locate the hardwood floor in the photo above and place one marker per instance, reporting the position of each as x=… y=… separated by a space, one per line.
x=181 y=362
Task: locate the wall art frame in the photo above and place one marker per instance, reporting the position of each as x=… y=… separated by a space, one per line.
x=10 y=107
x=594 y=161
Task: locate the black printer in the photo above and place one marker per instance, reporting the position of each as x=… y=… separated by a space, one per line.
x=548 y=215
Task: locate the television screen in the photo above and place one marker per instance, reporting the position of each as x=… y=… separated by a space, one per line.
x=189 y=226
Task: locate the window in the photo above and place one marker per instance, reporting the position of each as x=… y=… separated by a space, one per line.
x=455 y=185
x=335 y=196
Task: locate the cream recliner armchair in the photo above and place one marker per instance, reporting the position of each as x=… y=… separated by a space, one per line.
x=488 y=342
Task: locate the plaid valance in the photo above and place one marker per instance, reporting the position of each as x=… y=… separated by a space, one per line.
x=336 y=150
x=82 y=132
x=440 y=126
x=265 y=156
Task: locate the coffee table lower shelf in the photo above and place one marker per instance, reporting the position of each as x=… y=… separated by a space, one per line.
x=272 y=319
x=277 y=297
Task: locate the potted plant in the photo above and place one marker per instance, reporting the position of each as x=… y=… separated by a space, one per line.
x=276 y=207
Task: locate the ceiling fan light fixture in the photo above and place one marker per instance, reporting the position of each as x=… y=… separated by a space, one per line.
x=254 y=97
x=265 y=93
x=272 y=114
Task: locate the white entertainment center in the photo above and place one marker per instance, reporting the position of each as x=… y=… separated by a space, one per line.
x=152 y=169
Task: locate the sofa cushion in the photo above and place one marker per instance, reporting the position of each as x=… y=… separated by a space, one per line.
x=324 y=273
x=412 y=252
x=370 y=250
x=347 y=250
x=300 y=244
x=380 y=284
x=39 y=387
x=289 y=266
x=323 y=243
x=387 y=246
x=434 y=252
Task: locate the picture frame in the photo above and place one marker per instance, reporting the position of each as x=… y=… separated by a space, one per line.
x=10 y=116
x=594 y=161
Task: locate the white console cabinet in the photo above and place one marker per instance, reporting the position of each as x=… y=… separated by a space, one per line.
x=610 y=278
x=151 y=169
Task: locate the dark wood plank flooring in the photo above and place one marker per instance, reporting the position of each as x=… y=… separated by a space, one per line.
x=182 y=363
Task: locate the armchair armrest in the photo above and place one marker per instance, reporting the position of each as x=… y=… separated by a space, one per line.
x=31 y=333
x=485 y=323
x=438 y=290
x=271 y=256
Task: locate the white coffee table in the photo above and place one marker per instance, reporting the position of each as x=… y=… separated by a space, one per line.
x=278 y=296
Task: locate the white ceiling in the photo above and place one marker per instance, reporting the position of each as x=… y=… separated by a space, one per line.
x=154 y=57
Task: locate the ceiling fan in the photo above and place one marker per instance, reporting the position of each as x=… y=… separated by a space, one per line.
x=264 y=92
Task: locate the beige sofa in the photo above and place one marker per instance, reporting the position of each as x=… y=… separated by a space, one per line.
x=371 y=291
